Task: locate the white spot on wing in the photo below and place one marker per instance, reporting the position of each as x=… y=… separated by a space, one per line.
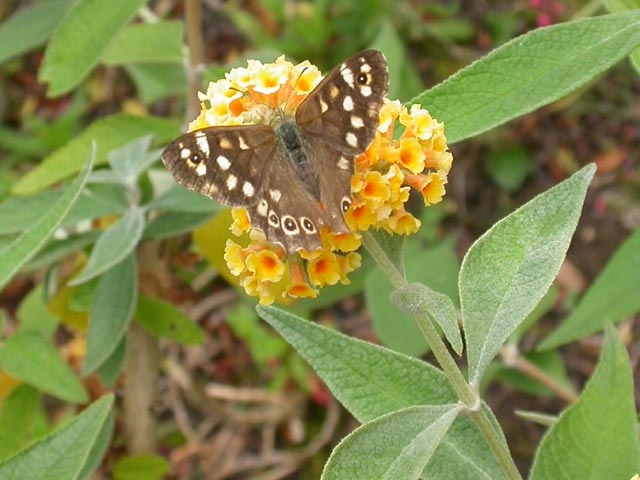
x=356 y=121
x=344 y=163
x=365 y=68
x=225 y=143
x=223 y=162
x=347 y=103
x=347 y=74
x=323 y=106
x=232 y=182
x=365 y=90
x=185 y=153
x=203 y=143
x=275 y=194
x=201 y=169
x=351 y=139
x=247 y=189
x=243 y=144
x=263 y=208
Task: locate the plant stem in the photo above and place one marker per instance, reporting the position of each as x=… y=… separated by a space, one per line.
x=193 y=11
x=465 y=393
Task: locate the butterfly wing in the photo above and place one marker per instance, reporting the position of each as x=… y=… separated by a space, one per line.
x=287 y=213
x=230 y=164
x=245 y=166
x=337 y=122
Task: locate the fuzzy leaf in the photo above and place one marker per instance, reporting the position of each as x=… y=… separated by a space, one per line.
x=109 y=133
x=507 y=271
x=62 y=455
x=394 y=446
x=609 y=299
x=113 y=245
x=530 y=71
x=17 y=253
x=29 y=357
x=596 y=437
x=76 y=45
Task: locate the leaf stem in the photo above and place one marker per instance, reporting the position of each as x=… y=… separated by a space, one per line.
x=468 y=396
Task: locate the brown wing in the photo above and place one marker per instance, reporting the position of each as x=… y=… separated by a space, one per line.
x=338 y=121
x=230 y=164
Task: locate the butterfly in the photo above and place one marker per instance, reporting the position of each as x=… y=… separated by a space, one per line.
x=292 y=176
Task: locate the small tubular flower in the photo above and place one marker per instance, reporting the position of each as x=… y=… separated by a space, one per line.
x=409 y=151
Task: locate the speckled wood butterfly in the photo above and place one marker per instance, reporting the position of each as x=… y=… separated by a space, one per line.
x=294 y=175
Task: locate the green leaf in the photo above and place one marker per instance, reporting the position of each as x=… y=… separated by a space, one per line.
x=141 y=467
x=113 y=245
x=510 y=168
x=615 y=6
x=163 y=319
x=389 y=42
x=263 y=344
x=396 y=445
x=109 y=133
x=371 y=381
x=22 y=420
x=173 y=224
x=129 y=161
x=34 y=315
x=435 y=267
x=391 y=245
x=159 y=42
x=612 y=297
x=62 y=455
x=530 y=71
x=77 y=44
x=99 y=449
x=31 y=358
x=110 y=370
x=156 y=81
x=416 y=299
x=179 y=199
x=597 y=436
x=56 y=250
x=32 y=25
x=507 y=271
x=19 y=213
x=14 y=255
x=111 y=310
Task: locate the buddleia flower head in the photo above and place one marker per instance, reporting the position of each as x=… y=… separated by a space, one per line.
x=409 y=151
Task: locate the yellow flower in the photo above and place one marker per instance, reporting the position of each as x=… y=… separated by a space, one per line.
x=409 y=151
x=266 y=265
x=325 y=269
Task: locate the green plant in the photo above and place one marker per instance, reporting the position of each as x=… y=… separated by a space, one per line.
x=419 y=421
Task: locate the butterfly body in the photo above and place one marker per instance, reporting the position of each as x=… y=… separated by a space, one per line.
x=293 y=175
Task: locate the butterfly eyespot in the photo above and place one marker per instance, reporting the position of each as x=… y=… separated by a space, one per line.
x=308 y=225
x=346 y=203
x=289 y=224
x=195 y=158
x=363 y=78
x=274 y=221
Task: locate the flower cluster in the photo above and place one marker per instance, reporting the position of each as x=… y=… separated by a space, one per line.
x=408 y=151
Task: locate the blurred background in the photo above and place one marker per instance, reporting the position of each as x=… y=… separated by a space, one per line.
x=241 y=403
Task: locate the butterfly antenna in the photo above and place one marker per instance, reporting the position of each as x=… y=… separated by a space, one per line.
x=294 y=87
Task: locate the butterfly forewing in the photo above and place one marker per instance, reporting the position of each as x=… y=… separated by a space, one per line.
x=338 y=121
x=230 y=164
x=295 y=180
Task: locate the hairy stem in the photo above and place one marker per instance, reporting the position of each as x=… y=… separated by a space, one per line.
x=465 y=393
